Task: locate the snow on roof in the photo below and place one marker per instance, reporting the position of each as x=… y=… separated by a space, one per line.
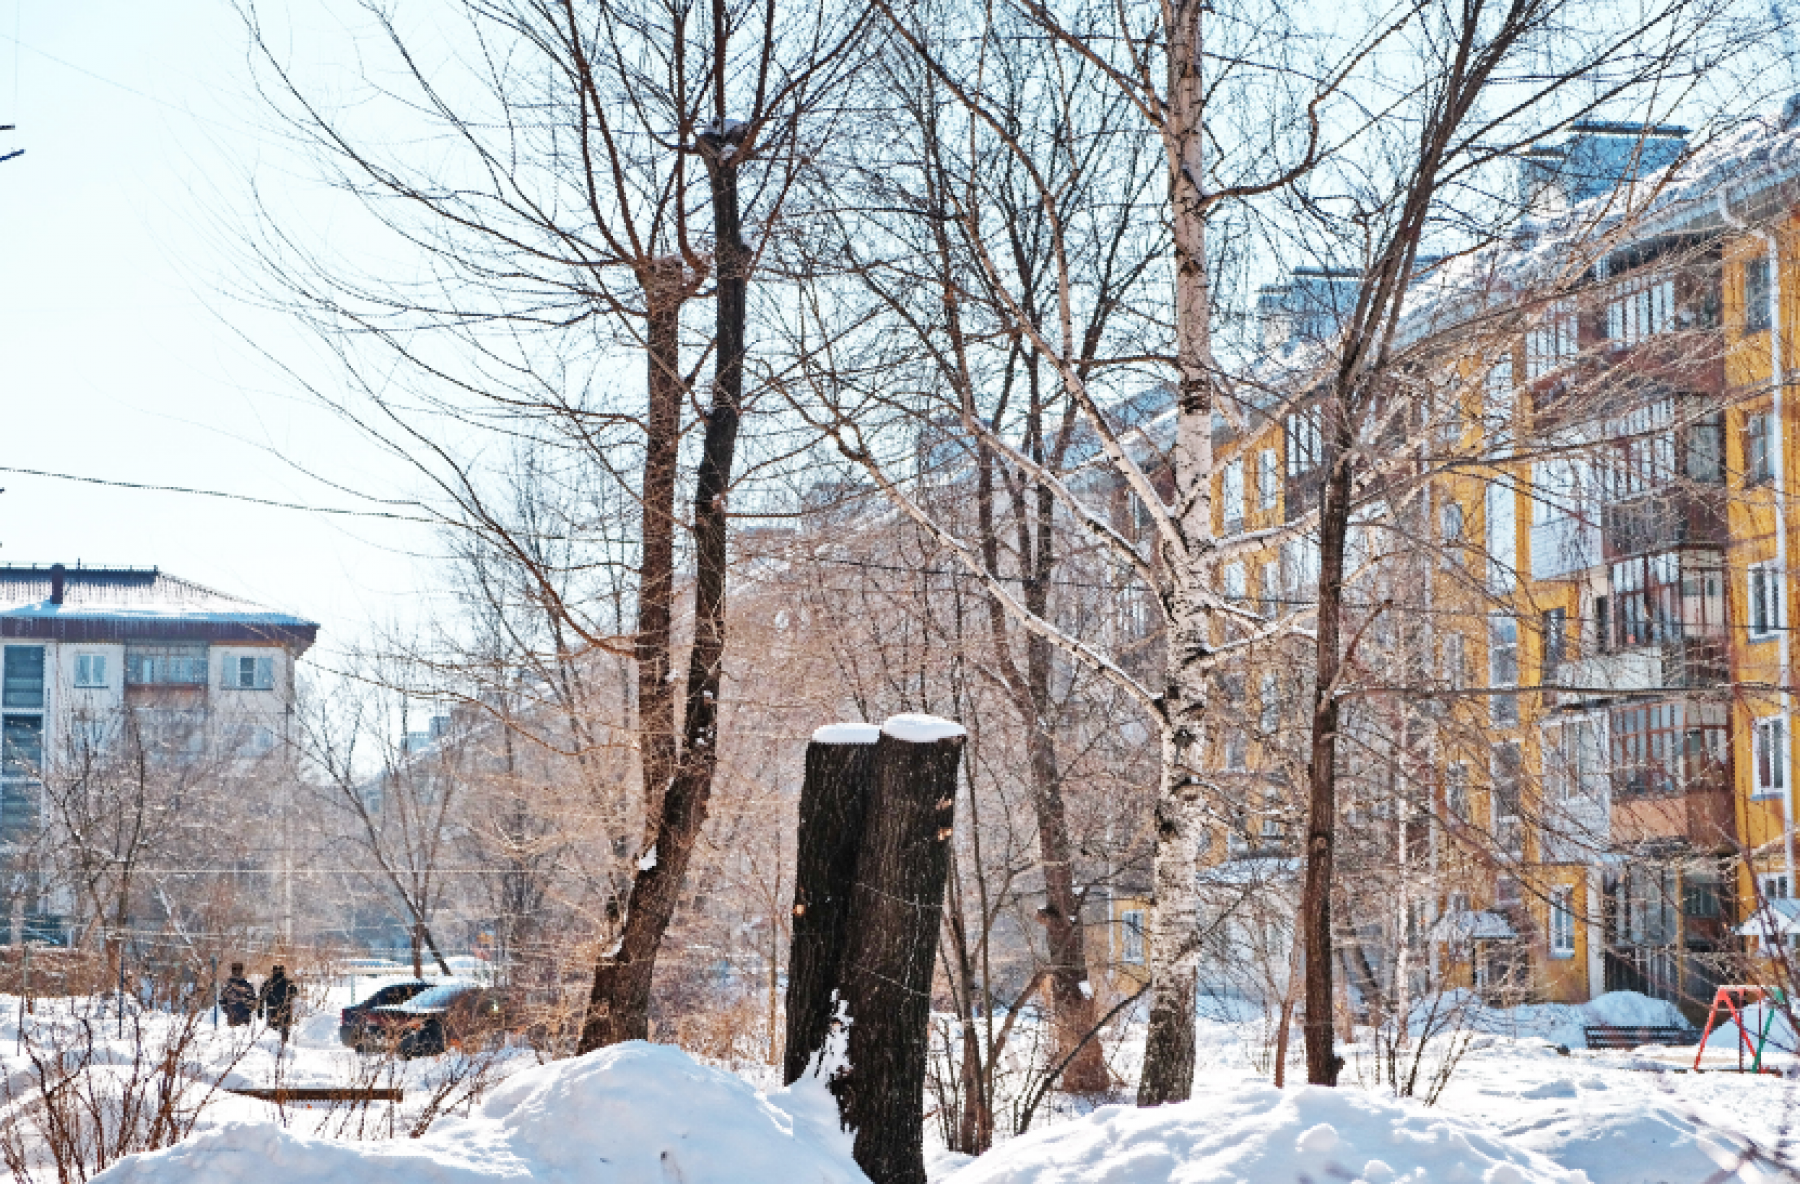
x=1780 y=918
x=125 y=592
x=1473 y=925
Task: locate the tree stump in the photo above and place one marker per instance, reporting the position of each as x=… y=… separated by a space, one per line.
x=834 y=798
x=896 y=910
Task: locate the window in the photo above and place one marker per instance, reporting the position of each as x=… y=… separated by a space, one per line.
x=1758 y=463
x=1503 y=666
x=24 y=677
x=90 y=670
x=1562 y=923
x=257 y=740
x=1452 y=522
x=1269 y=720
x=1700 y=893
x=1502 y=541
x=1756 y=295
x=1556 y=642
x=1456 y=662
x=1131 y=937
x=1552 y=344
x=1456 y=792
x=1646 y=749
x=1643 y=309
x=1768 y=741
x=1237 y=751
x=1268 y=479
x=21 y=746
x=1231 y=493
x=1773 y=887
x=1271 y=587
x=1508 y=771
x=1574 y=760
x=1300 y=567
x=1706 y=449
x=1305 y=442
x=249 y=672
x=176 y=665
x=1767 y=612
x=1236 y=589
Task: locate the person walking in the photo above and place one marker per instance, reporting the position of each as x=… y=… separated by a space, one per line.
x=276 y=1001
x=238 y=1000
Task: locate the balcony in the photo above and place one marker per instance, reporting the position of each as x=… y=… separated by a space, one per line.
x=1600 y=677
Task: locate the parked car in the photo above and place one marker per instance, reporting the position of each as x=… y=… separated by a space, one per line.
x=353 y=1021
x=452 y=1015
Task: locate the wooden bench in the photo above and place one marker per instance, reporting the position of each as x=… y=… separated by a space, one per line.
x=1614 y=1036
x=289 y=1094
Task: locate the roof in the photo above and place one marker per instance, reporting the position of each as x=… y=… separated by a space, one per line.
x=63 y=603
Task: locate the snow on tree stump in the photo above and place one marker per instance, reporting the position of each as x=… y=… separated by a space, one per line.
x=834 y=798
x=896 y=910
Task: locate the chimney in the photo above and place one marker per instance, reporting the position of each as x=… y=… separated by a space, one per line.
x=57 y=574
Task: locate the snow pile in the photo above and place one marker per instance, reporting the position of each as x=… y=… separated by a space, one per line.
x=1242 y=1130
x=1564 y=1023
x=631 y=1114
x=1624 y=1137
x=1761 y=1021
x=846 y=734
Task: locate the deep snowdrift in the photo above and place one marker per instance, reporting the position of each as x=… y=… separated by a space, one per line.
x=1248 y=1132
x=632 y=1114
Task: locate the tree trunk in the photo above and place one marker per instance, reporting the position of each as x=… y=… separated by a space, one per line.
x=1168 y=1074
x=619 y=1004
x=657 y=727
x=896 y=912
x=834 y=799
x=1322 y=1061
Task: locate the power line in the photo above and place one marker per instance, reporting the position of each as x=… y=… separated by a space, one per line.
x=234 y=497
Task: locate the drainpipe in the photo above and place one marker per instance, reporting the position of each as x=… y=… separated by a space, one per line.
x=1778 y=466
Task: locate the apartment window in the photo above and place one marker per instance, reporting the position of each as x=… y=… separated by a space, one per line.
x=1503 y=666
x=250 y=672
x=1643 y=309
x=1756 y=295
x=1268 y=479
x=1232 y=494
x=1758 y=462
x=1456 y=791
x=1305 y=442
x=1562 y=923
x=1237 y=589
x=1271 y=587
x=1552 y=344
x=166 y=665
x=1451 y=522
x=1646 y=749
x=1701 y=893
x=1269 y=719
x=1768 y=614
x=1456 y=662
x=1502 y=541
x=1300 y=566
x=90 y=670
x=1237 y=751
x=1508 y=772
x=1574 y=760
x=24 y=677
x=1556 y=642
x=1131 y=937
x=1773 y=886
x=1706 y=449
x=255 y=741
x=1768 y=742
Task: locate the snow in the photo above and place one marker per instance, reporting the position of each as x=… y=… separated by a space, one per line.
x=648 y=860
x=632 y=1114
x=921 y=729
x=1239 y=1129
x=846 y=734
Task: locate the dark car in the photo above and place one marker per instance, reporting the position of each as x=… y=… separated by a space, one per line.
x=353 y=1021
x=454 y=1015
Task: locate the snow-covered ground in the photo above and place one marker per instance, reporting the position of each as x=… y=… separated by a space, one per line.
x=1523 y=1102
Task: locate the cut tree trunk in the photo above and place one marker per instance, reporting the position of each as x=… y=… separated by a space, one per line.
x=834 y=798
x=619 y=1003
x=896 y=912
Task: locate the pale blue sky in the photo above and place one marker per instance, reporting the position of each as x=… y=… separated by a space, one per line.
x=122 y=354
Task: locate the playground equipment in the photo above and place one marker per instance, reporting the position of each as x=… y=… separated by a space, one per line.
x=1734 y=1000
